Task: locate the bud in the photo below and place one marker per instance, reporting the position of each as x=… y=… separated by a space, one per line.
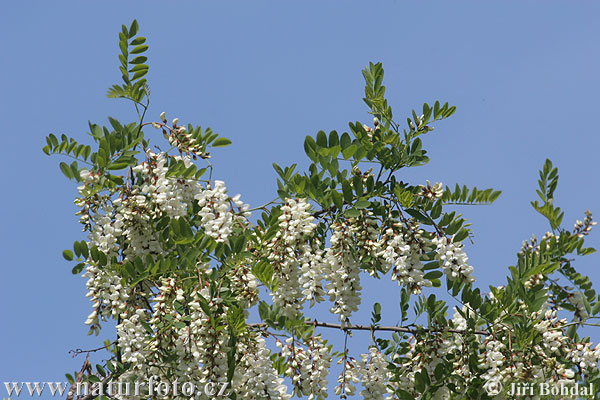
x=375 y=121
x=163 y=117
x=175 y=121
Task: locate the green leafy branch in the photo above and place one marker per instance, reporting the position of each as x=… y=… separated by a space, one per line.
x=547 y=183
x=466 y=196
x=133 y=67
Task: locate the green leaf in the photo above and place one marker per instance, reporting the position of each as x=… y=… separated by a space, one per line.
x=347 y=190
x=337 y=198
x=66 y=170
x=78 y=268
x=322 y=139
x=139 y=74
x=139 y=49
x=419 y=216
x=361 y=204
x=139 y=60
x=138 y=67
x=68 y=255
x=221 y=142
x=433 y=275
x=133 y=29
x=349 y=151
x=352 y=213
x=137 y=41
x=461 y=235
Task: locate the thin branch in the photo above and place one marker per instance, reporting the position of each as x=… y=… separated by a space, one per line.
x=77 y=352
x=370 y=328
x=86 y=367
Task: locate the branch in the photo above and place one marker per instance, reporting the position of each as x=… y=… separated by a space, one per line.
x=77 y=352
x=350 y=327
x=85 y=367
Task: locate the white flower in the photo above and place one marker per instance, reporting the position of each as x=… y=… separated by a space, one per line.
x=342 y=271
x=375 y=375
x=453 y=260
x=404 y=258
x=296 y=259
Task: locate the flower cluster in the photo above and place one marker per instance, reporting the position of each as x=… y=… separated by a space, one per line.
x=402 y=253
x=307 y=367
x=432 y=192
x=106 y=292
x=254 y=377
x=179 y=137
x=217 y=217
x=491 y=361
x=343 y=273
x=348 y=378
x=453 y=260
x=366 y=232
x=375 y=376
x=132 y=337
x=297 y=267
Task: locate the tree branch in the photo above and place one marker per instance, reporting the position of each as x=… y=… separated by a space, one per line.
x=413 y=331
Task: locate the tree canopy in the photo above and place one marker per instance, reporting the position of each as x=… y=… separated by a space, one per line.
x=179 y=264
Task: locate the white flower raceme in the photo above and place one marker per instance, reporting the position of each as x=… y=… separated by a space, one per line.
x=311 y=272
x=296 y=259
x=343 y=273
x=432 y=192
x=492 y=360
x=254 y=377
x=132 y=337
x=210 y=345
x=217 y=218
x=551 y=330
x=142 y=238
x=105 y=232
x=167 y=195
x=402 y=254
x=366 y=232
x=106 y=292
x=375 y=375
x=89 y=179
x=179 y=137
x=453 y=260
x=245 y=284
x=308 y=366
x=348 y=378
x=201 y=349
x=585 y=356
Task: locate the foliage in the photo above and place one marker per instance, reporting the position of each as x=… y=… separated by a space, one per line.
x=178 y=263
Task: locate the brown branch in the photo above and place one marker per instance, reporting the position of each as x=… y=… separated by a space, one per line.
x=85 y=367
x=77 y=352
x=413 y=331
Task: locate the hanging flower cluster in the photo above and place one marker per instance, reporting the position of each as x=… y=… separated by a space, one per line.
x=308 y=366
x=343 y=272
x=375 y=375
x=255 y=377
x=453 y=260
x=296 y=259
x=402 y=253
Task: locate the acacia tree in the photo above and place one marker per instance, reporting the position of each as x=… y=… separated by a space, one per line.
x=178 y=263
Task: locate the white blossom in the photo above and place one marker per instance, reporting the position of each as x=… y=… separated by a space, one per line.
x=453 y=260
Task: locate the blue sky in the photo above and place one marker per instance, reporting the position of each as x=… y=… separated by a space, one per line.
x=523 y=75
